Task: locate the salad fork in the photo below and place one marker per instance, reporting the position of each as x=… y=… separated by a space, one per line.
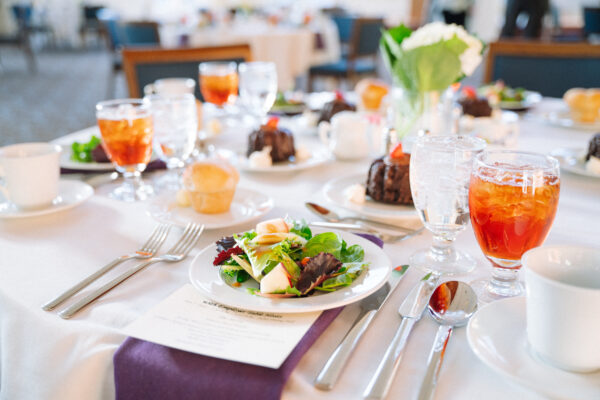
x=147 y=250
x=178 y=252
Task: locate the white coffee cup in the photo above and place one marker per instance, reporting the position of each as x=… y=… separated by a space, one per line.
x=29 y=174
x=170 y=86
x=346 y=136
x=563 y=305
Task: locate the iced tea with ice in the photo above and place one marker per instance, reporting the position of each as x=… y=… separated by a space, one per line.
x=127 y=141
x=218 y=82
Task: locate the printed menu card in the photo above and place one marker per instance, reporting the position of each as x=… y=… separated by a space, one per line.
x=188 y=321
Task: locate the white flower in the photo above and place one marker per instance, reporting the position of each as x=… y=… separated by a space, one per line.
x=438 y=31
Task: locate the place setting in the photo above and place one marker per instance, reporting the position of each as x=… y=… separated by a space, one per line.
x=296 y=202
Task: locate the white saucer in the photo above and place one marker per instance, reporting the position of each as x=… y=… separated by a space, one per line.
x=496 y=334
x=70 y=194
x=334 y=192
x=572 y=159
x=247 y=206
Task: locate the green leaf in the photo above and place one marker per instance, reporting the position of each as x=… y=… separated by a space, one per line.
x=353 y=271
x=328 y=242
x=82 y=152
x=354 y=253
x=301 y=229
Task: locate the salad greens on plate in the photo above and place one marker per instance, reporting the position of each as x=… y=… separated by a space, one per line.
x=287 y=260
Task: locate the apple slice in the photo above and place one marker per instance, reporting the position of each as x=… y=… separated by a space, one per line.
x=277 y=280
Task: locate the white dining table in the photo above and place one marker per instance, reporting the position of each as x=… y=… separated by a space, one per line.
x=45 y=357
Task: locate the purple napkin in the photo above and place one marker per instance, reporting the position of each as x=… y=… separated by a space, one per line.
x=145 y=370
x=152 y=166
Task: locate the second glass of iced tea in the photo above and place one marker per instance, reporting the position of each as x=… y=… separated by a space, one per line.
x=513 y=197
x=126 y=130
x=218 y=82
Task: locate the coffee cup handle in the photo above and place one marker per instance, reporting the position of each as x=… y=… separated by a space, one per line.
x=324 y=130
x=3 y=188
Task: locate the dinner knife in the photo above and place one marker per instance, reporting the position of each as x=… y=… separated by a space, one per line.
x=411 y=311
x=368 y=309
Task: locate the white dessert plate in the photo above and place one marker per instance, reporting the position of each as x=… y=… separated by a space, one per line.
x=70 y=194
x=205 y=277
x=80 y=136
x=319 y=156
x=563 y=118
x=572 y=159
x=496 y=334
x=335 y=189
x=247 y=205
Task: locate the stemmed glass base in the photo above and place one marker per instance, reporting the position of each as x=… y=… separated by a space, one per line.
x=503 y=284
x=442 y=257
x=133 y=187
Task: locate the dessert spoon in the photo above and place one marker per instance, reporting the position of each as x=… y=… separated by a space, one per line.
x=451 y=304
x=332 y=216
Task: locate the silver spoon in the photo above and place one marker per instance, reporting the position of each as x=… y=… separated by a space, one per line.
x=332 y=216
x=451 y=304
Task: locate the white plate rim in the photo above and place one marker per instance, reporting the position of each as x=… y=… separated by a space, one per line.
x=85 y=191
x=318 y=157
x=386 y=209
x=562 y=153
x=267 y=204
x=518 y=303
x=377 y=278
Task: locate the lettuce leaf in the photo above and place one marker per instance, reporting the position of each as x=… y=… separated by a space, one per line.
x=328 y=242
x=301 y=229
x=354 y=253
x=353 y=271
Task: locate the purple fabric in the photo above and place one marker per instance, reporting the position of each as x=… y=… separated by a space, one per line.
x=145 y=370
x=152 y=166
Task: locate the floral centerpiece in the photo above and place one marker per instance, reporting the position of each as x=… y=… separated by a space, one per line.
x=424 y=63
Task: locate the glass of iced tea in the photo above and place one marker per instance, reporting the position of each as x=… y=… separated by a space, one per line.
x=218 y=82
x=126 y=130
x=513 y=197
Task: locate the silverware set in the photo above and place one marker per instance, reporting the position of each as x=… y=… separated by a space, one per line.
x=451 y=304
x=386 y=232
x=147 y=252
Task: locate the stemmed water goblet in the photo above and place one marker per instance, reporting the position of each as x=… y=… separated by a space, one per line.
x=513 y=198
x=258 y=87
x=126 y=131
x=440 y=170
x=175 y=130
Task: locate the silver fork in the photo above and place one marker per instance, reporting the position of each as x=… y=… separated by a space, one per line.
x=178 y=252
x=386 y=237
x=147 y=250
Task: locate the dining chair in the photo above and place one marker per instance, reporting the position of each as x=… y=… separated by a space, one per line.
x=550 y=68
x=90 y=23
x=591 y=21
x=362 y=53
x=138 y=33
x=145 y=65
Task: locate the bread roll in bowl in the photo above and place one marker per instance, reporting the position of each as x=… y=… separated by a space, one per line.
x=211 y=185
x=584 y=104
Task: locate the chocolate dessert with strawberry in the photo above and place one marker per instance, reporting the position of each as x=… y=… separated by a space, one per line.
x=388 y=179
x=279 y=139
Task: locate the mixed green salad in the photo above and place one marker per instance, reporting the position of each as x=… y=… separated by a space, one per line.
x=90 y=151
x=287 y=260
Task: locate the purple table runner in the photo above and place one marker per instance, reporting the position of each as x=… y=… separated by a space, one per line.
x=145 y=370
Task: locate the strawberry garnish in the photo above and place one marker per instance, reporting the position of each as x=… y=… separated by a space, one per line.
x=225 y=254
x=339 y=95
x=397 y=152
x=272 y=122
x=469 y=91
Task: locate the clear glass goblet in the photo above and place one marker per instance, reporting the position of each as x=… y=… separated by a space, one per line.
x=258 y=87
x=175 y=131
x=513 y=198
x=440 y=170
x=126 y=131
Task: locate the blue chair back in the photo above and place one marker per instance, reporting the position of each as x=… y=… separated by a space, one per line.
x=110 y=20
x=344 y=25
x=139 y=34
x=591 y=20
x=368 y=33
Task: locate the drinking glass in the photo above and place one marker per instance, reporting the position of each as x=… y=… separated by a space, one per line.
x=440 y=169
x=258 y=87
x=175 y=130
x=218 y=82
x=126 y=130
x=513 y=199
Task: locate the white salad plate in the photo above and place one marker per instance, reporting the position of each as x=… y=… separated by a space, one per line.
x=247 y=206
x=572 y=159
x=319 y=156
x=530 y=99
x=497 y=335
x=80 y=136
x=70 y=194
x=205 y=278
x=335 y=192
x=563 y=119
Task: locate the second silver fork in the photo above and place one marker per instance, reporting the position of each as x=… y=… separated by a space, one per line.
x=178 y=252
x=147 y=251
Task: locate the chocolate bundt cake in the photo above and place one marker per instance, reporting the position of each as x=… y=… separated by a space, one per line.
x=476 y=107
x=594 y=148
x=335 y=106
x=388 y=180
x=281 y=141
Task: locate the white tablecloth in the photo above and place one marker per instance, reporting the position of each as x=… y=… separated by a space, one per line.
x=45 y=357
